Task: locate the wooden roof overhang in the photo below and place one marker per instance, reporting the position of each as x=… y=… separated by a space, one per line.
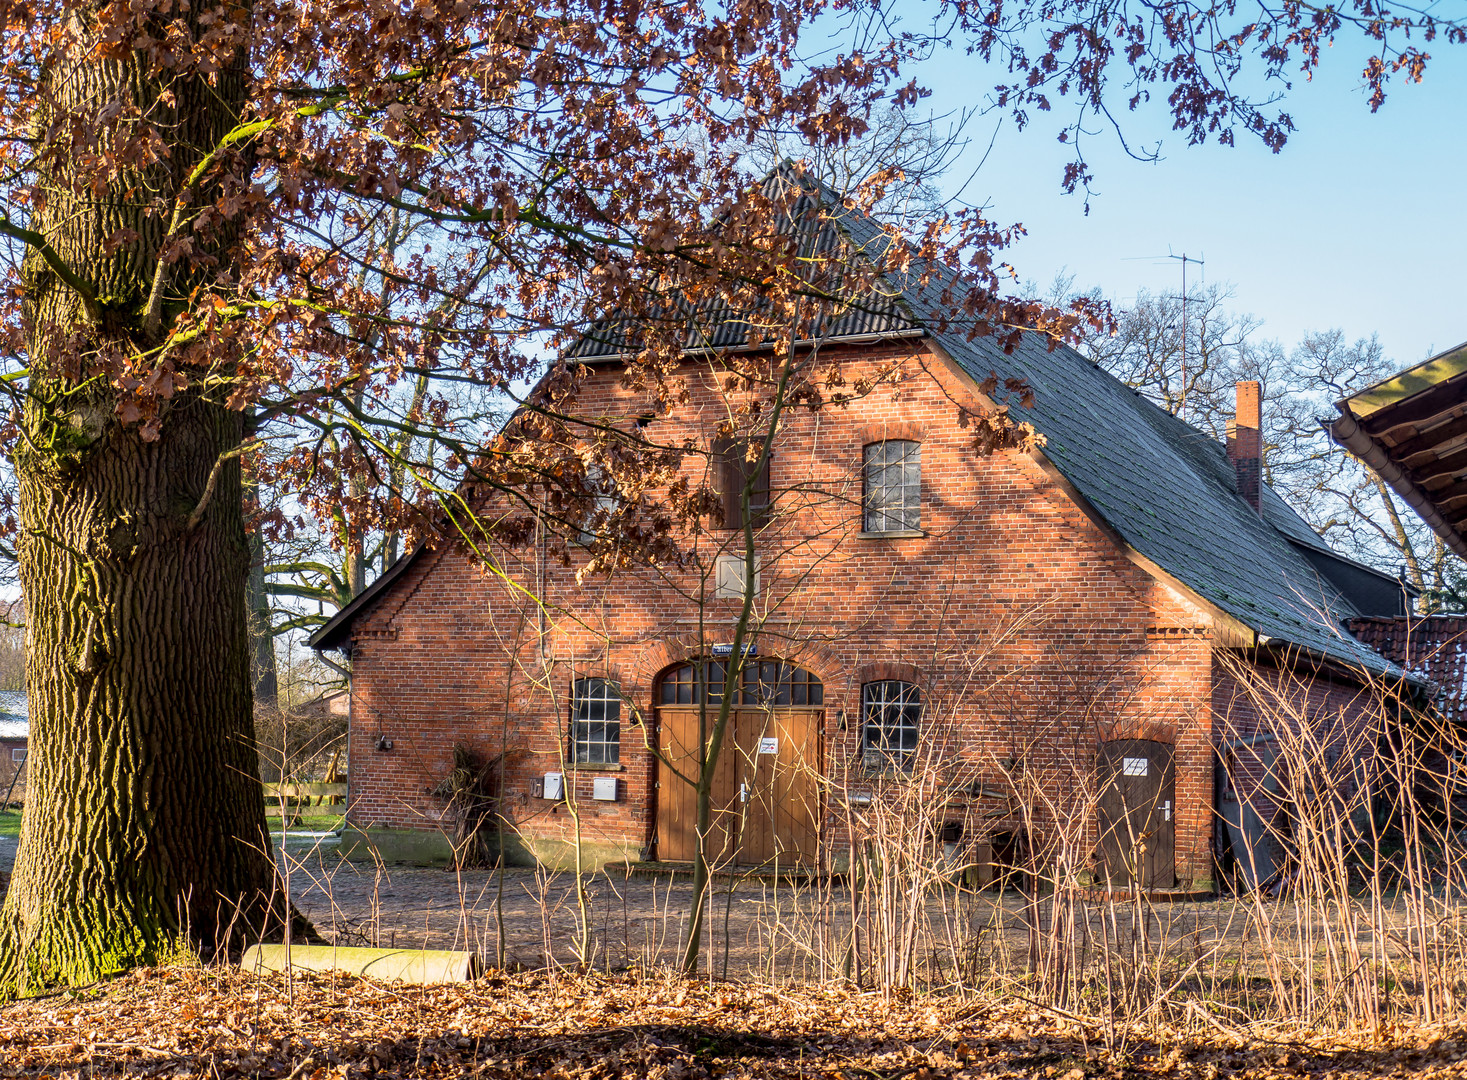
x=1412 y=430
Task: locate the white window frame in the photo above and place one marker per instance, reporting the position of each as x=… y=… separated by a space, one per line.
x=595 y=740
x=605 y=501
x=890 y=707
x=891 y=487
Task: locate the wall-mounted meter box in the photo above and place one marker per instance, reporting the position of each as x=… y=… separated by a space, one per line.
x=554 y=785
x=603 y=789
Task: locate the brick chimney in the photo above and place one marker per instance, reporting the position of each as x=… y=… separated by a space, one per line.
x=1245 y=444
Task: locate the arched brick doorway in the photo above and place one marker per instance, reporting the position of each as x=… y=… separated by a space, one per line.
x=766 y=796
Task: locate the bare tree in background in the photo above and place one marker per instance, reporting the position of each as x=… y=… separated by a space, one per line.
x=899 y=158
x=1184 y=360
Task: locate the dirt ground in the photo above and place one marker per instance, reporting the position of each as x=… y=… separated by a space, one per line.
x=635 y=920
x=756 y=929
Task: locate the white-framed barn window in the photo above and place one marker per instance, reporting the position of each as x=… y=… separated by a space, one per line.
x=595 y=722
x=17 y=754
x=891 y=717
x=605 y=501
x=891 y=483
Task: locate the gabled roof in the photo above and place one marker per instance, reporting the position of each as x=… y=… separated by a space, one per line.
x=714 y=325
x=335 y=632
x=1433 y=648
x=1165 y=488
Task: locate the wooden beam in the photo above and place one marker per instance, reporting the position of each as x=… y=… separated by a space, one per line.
x=1416 y=410
x=303 y=790
x=421 y=966
x=1440 y=467
x=1429 y=440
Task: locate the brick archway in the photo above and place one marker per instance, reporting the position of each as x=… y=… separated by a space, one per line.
x=657 y=657
x=1162 y=731
x=879 y=671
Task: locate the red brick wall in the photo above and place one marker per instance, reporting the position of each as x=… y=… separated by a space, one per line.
x=8 y=767
x=1033 y=635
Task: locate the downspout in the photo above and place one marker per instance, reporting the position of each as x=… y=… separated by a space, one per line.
x=1347 y=431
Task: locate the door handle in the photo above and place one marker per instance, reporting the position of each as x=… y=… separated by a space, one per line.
x=743 y=793
x=1166 y=809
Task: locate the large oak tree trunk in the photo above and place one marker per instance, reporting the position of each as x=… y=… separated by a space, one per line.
x=144 y=825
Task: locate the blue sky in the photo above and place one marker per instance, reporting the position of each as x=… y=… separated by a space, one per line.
x=1359 y=223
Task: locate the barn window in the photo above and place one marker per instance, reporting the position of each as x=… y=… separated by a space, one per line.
x=595 y=722
x=891 y=711
x=17 y=753
x=734 y=461
x=603 y=503
x=764 y=682
x=892 y=487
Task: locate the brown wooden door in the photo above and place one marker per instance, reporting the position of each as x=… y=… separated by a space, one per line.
x=1137 y=812
x=765 y=798
x=677 y=800
x=779 y=790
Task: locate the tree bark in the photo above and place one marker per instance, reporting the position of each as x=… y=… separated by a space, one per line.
x=144 y=827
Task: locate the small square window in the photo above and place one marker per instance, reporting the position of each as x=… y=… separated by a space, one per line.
x=728 y=577
x=17 y=753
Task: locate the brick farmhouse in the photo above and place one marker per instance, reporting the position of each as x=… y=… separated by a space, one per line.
x=1071 y=620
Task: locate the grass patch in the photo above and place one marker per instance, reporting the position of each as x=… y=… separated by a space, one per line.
x=325 y=820
x=10 y=823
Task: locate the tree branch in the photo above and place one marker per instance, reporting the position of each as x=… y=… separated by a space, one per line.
x=198 y=514
x=54 y=261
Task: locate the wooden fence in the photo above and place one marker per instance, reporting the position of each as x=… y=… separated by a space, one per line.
x=302 y=793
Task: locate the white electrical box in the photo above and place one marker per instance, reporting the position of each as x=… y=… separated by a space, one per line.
x=554 y=785
x=603 y=789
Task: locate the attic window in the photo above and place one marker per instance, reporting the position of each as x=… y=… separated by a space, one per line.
x=734 y=461
x=604 y=502
x=892 y=487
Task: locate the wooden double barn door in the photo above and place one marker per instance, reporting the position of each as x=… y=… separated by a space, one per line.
x=766 y=796
x=1137 y=812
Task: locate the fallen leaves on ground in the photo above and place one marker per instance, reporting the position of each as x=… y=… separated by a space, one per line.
x=201 y=1022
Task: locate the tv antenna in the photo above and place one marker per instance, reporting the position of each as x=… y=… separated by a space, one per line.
x=1184 y=259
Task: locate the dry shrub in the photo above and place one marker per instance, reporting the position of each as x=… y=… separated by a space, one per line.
x=302 y=743
x=1341 y=912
